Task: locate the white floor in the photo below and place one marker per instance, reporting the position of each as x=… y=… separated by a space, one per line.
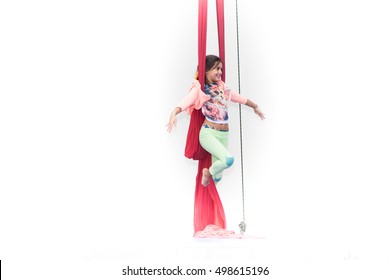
x=284 y=258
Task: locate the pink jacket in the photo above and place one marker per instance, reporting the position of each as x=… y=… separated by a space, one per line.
x=196 y=97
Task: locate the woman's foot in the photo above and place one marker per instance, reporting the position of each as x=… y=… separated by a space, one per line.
x=206 y=177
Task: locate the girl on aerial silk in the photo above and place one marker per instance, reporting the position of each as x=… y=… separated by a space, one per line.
x=207 y=141
x=213 y=103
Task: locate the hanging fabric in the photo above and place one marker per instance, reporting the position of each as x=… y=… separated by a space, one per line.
x=221 y=34
x=208 y=208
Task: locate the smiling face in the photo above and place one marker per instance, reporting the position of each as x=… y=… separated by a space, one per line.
x=214 y=74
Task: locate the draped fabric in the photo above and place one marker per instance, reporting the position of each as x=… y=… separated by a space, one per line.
x=221 y=34
x=208 y=208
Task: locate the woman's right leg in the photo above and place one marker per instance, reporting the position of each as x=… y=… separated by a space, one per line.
x=215 y=142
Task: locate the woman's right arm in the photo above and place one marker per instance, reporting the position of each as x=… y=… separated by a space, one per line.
x=186 y=102
x=172 y=119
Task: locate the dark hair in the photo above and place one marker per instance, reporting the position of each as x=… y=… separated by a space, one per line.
x=211 y=61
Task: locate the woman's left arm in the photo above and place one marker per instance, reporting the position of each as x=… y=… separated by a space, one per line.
x=236 y=97
x=256 y=108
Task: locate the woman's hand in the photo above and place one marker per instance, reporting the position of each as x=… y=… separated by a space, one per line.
x=172 y=119
x=255 y=108
x=259 y=112
x=172 y=123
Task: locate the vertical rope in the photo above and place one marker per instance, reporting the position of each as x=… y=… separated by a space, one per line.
x=242 y=225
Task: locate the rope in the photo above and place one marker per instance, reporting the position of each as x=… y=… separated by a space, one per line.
x=242 y=225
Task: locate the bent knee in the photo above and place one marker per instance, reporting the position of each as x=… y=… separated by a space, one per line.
x=229 y=161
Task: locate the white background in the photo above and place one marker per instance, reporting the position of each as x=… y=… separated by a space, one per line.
x=88 y=171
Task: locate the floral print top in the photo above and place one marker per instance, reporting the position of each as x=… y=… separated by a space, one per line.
x=216 y=108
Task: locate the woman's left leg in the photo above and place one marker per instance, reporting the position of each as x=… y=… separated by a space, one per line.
x=217 y=176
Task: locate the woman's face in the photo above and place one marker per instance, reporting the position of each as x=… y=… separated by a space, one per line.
x=214 y=74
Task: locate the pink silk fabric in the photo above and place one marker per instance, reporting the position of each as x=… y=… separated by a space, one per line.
x=209 y=214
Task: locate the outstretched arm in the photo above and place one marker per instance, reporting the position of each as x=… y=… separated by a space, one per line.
x=172 y=119
x=256 y=108
x=183 y=105
x=236 y=97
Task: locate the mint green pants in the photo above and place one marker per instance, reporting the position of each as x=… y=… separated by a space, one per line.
x=215 y=142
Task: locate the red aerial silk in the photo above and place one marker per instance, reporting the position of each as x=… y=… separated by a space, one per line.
x=208 y=208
